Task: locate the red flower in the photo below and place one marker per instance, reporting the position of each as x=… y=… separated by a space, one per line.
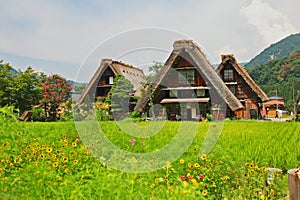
x=201 y=176
x=182 y=178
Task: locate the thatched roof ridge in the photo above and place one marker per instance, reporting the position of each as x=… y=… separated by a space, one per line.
x=243 y=72
x=199 y=60
x=135 y=75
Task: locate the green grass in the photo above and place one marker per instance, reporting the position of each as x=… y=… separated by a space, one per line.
x=46 y=160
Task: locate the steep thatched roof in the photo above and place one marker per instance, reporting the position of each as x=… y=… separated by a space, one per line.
x=243 y=73
x=187 y=48
x=134 y=75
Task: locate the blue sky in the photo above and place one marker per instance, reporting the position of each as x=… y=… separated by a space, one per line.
x=70 y=37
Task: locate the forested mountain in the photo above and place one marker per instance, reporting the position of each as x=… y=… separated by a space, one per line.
x=281 y=74
x=277 y=50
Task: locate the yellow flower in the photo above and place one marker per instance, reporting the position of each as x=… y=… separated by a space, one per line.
x=65 y=159
x=169 y=165
x=55 y=164
x=190 y=165
x=49 y=168
x=196 y=184
x=152 y=185
x=203 y=157
x=181 y=161
x=5 y=144
x=55 y=184
x=196 y=165
x=74 y=144
x=49 y=150
x=252 y=165
x=75 y=162
x=158 y=180
x=272 y=191
x=262 y=197
x=35 y=163
x=251 y=171
x=195 y=149
x=204 y=192
x=59 y=178
x=185 y=183
x=66 y=170
x=42 y=156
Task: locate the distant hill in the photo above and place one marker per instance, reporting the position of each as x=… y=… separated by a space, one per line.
x=281 y=74
x=277 y=50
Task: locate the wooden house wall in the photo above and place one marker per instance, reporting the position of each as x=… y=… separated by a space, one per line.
x=103 y=80
x=243 y=92
x=171 y=78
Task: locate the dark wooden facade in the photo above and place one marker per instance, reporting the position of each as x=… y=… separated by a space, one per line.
x=183 y=92
x=105 y=83
x=243 y=87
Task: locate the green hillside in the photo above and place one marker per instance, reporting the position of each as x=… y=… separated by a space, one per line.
x=282 y=74
x=277 y=50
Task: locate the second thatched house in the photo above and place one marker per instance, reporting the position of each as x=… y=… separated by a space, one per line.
x=103 y=79
x=188 y=87
x=243 y=87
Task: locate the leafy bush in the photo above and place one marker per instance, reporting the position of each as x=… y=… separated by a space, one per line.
x=8 y=113
x=38 y=115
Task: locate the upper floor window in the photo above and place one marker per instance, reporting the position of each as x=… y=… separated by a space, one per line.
x=110 y=80
x=228 y=74
x=186 y=77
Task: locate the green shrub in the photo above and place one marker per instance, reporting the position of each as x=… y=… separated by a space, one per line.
x=9 y=113
x=38 y=115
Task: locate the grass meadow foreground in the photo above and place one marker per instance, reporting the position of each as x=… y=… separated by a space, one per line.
x=49 y=160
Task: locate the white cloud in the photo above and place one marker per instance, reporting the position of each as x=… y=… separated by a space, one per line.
x=271 y=24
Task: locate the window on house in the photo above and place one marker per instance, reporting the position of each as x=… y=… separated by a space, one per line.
x=111 y=80
x=173 y=93
x=200 y=93
x=228 y=74
x=232 y=88
x=186 y=77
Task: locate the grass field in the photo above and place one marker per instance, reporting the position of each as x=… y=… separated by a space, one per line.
x=49 y=160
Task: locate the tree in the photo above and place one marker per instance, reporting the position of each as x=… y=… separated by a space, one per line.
x=56 y=91
x=154 y=69
x=120 y=97
x=6 y=79
x=27 y=91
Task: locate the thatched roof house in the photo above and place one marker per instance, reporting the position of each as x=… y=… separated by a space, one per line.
x=102 y=81
x=192 y=79
x=242 y=86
